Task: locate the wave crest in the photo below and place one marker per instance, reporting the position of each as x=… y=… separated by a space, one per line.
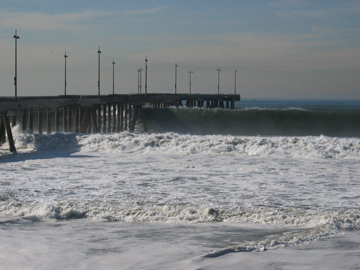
x=283 y=147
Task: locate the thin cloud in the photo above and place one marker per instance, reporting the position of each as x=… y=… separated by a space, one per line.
x=42 y=21
x=292 y=8
x=143 y=11
x=258 y=52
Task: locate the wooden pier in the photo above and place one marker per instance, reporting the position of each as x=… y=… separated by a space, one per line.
x=94 y=114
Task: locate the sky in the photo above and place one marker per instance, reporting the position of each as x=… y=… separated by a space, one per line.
x=298 y=49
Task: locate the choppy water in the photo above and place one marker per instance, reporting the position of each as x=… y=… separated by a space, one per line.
x=157 y=199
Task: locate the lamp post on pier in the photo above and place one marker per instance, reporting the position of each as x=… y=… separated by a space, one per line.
x=218 y=70
x=175 y=78
x=138 y=71
x=65 y=83
x=99 y=71
x=16 y=37
x=113 y=63
x=146 y=67
x=190 y=71
x=235 y=82
x=141 y=69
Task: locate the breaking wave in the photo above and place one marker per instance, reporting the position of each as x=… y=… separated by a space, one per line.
x=255 y=121
x=299 y=225
x=299 y=147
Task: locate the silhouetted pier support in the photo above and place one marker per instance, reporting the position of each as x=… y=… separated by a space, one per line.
x=5 y=126
x=40 y=123
x=57 y=120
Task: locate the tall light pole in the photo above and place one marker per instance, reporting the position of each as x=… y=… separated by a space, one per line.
x=138 y=71
x=65 y=84
x=99 y=71
x=190 y=71
x=235 y=82
x=175 y=78
x=15 y=78
x=218 y=70
x=141 y=69
x=146 y=67
x=113 y=63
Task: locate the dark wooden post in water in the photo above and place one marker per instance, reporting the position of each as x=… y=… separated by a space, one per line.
x=2 y=130
x=13 y=121
x=143 y=118
x=126 y=115
x=31 y=120
x=121 y=117
x=40 y=123
x=86 y=121
x=109 y=118
x=9 y=134
x=77 y=120
x=5 y=125
x=96 y=127
x=98 y=117
x=104 y=118
x=130 y=111
x=114 y=129
x=68 y=119
x=64 y=120
x=48 y=121
x=81 y=116
x=118 y=117
x=24 y=120
x=134 y=117
x=57 y=120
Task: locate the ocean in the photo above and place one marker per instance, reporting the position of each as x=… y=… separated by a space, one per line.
x=273 y=184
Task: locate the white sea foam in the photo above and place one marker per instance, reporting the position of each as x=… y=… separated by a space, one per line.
x=306 y=188
x=125 y=142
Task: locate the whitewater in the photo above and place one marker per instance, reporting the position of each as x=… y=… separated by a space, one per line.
x=172 y=200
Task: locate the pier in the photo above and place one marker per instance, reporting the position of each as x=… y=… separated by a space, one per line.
x=94 y=114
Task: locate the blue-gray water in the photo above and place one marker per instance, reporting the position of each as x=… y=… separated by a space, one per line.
x=253 y=117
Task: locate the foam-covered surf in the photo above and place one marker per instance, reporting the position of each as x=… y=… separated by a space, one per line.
x=186 y=179
x=168 y=143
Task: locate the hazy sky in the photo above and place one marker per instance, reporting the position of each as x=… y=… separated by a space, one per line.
x=281 y=49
